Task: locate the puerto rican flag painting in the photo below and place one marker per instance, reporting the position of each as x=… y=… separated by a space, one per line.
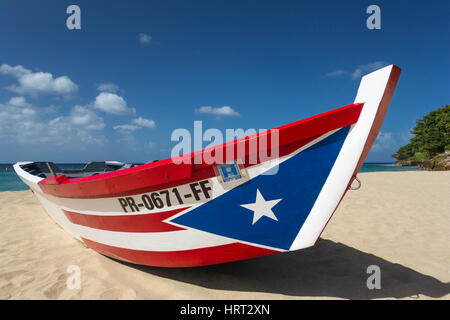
x=192 y=214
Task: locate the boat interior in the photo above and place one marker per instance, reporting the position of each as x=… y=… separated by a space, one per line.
x=44 y=169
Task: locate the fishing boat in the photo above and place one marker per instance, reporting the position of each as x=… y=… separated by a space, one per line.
x=214 y=206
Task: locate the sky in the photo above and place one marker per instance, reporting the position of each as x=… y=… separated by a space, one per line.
x=117 y=88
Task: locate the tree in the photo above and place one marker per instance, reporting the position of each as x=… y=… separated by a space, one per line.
x=431 y=135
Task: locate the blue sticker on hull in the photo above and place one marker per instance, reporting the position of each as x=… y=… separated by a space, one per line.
x=270 y=209
x=229 y=172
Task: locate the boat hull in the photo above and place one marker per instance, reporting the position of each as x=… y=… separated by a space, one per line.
x=193 y=211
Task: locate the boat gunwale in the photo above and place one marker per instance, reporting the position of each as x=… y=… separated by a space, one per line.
x=333 y=119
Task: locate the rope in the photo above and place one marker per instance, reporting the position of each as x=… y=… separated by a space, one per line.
x=357 y=187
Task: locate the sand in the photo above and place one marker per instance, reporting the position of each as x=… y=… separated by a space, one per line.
x=399 y=221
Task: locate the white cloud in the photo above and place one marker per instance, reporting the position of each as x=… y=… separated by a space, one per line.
x=336 y=73
x=137 y=124
x=126 y=128
x=142 y=122
x=23 y=123
x=108 y=87
x=113 y=104
x=223 y=111
x=38 y=82
x=17 y=71
x=367 y=68
x=18 y=102
x=15 y=115
x=358 y=72
x=144 y=38
x=65 y=130
x=84 y=117
x=384 y=141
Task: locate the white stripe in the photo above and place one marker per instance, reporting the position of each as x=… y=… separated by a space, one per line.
x=268 y=165
x=112 y=207
x=155 y=241
x=370 y=93
x=253 y=172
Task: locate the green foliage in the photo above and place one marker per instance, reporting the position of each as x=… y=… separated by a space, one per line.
x=432 y=136
x=418 y=156
x=404 y=152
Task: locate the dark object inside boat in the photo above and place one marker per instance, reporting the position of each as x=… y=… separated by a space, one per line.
x=42 y=170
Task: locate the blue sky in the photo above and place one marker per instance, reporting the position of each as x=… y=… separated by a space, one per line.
x=137 y=70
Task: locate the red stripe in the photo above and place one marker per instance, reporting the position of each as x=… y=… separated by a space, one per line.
x=185 y=258
x=164 y=174
x=152 y=222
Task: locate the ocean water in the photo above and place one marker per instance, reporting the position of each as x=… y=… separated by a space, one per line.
x=382 y=166
x=9 y=181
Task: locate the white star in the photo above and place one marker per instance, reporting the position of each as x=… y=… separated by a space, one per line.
x=261 y=207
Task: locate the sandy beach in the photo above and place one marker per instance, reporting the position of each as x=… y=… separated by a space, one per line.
x=399 y=221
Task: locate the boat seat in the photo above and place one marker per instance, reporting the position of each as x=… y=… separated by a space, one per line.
x=101 y=166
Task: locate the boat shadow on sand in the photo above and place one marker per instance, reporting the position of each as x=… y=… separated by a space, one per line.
x=329 y=269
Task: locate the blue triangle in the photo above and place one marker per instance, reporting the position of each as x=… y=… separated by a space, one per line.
x=298 y=183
